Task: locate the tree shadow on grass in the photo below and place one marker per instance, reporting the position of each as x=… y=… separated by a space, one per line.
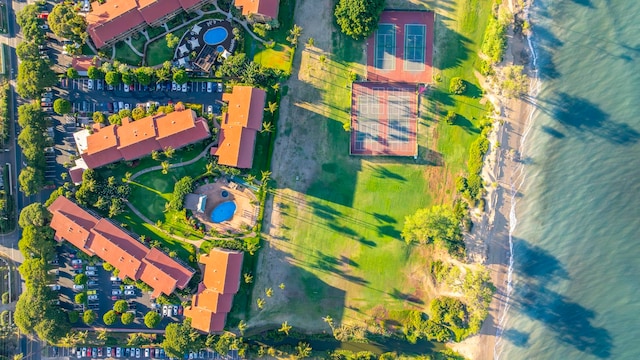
x=452 y=49
x=398 y=295
x=466 y=124
x=388 y=230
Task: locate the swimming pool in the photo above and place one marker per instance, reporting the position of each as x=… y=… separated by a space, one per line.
x=223 y=212
x=215 y=35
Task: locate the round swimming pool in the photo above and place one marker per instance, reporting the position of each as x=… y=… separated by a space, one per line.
x=215 y=35
x=223 y=212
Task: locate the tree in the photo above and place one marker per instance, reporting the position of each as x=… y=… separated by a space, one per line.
x=89 y=316
x=285 y=328
x=181 y=188
x=514 y=82
x=80 y=279
x=27 y=18
x=233 y=66
x=242 y=326
x=272 y=107
x=37 y=242
x=34 y=215
x=65 y=22
x=73 y=316
x=138 y=113
x=128 y=77
x=165 y=167
x=457 y=86
x=168 y=152
x=179 y=338
x=358 y=18
x=72 y=73
x=303 y=349
x=294 y=34
x=33 y=77
x=94 y=72
x=31 y=180
x=269 y=292
x=61 y=106
x=260 y=303
x=267 y=127
x=110 y=317
x=164 y=73
x=121 y=306
x=329 y=320
x=127 y=318
x=172 y=40
x=151 y=319
x=180 y=76
x=81 y=298
x=116 y=208
x=437 y=225
x=113 y=78
x=27 y=50
x=98 y=117
x=102 y=335
x=144 y=75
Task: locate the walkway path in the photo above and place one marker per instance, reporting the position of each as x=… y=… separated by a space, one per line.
x=196 y=243
x=128 y=42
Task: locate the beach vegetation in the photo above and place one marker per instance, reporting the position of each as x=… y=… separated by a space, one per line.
x=358 y=18
x=514 y=82
x=457 y=86
x=180 y=338
x=436 y=225
x=494 y=42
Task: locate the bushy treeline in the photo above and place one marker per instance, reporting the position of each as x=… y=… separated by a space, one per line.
x=5 y=122
x=182 y=187
x=33 y=142
x=494 y=42
x=471 y=187
x=36 y=309
x=107 y=195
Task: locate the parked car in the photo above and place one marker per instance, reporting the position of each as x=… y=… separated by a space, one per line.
x=92 y=268
x=126 y=88
x=164 y=310
x=95 y=352
x=76 y=261
x=54 y=287
x=138 y=353
x=115 y=297
x=79 y=353
x=109 y=351
x=43 y=16
x=89 y=352
x=99 y=84
x=90 y=84
x=116 y=292
x=84 y=352
x=90 y=273
x=78 y=287
x=118 y=352
x=129 y=287
x=174 y=86
x=146 y=352
x=115 y=279
x=129 y=293
x=92 y=297
x=131 y=87
x=175 y=310
x=109 y=87
x=209 y=87
x=127 y=106
x=180 y=308
x=220 y=87
x=127 y=352
x=184 y=87
x=120 y=105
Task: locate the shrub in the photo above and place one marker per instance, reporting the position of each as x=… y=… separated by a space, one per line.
x=457 y=86
x=110 y=317
x=73 y=316
x=5 y=297
x=151 y=319
x=108 y=267
x=450 y=118
x=89 y=317
x=80 y=279
x=495 y=40
x=180 y=190
x=120 y=306
x=127 y=318
x=80 y=298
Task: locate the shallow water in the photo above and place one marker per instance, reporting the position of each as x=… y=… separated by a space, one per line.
x=576 y=255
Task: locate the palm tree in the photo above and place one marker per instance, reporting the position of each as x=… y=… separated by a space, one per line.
x=281 y=286
x=250 y=178
x=64 y=175
x=285 y=328
x=329 y=320
x=155 y=155
x=303 y=349
x=272 y=107
x=252 y=248
x=248 y=278
x=269 y=292
x=267 y=127
x=242 y=326
x=103 y=335
x=209 y=168
x=165 y=167
x=169 y=151
x=265 y=176
x=260 y=302
x=127 y=177
x=276 y=87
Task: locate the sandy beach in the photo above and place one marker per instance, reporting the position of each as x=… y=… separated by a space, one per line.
x=488 y=243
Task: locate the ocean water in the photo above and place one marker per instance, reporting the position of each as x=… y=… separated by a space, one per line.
x=576 y=246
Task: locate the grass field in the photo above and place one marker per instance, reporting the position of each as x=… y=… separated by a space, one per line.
x=158 y=51
x=280 y=56
x=126 y=55
x=335 y=239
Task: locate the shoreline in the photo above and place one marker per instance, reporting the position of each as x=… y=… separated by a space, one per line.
x=489 y=243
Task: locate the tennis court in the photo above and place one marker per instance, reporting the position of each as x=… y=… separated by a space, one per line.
x=385 y=47
x=414 y=44
x=401 y=49
x=383 y=119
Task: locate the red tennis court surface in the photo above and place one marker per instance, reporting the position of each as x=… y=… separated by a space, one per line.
x=384 y=119
x=401 y=49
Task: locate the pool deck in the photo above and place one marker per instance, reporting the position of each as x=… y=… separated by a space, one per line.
x=246 y=213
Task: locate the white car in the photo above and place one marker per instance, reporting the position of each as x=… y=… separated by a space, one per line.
x=126 y=88
x=138 y=353
x=78 y=287
x=54 y=287
x=90 y=273
x=91 y=268
x=129 y=287
x=184 y=87
x=146 y=352
x=164 y=310
x=76 y=262
x=90 y=84
x=209 y=109
x=219 y=87
x=175 y=310
x=209 y=87
x=174 y=86
x=129 y=292
x=115 y=279
x=92 y=297
x=127 y=106
x=116 y=292
x=118 y=352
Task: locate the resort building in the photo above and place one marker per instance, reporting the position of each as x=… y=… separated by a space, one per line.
x=259 y=10
x=135 y=139
x=82 y=63
x=97 y=236
x=239 y=127
x=114 y=20
x=220 y=281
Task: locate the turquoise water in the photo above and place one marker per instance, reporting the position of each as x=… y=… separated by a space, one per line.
x=215 y=35
x=576 y=252
x=223 y=212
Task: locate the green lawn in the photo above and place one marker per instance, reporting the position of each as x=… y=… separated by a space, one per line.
x=343 y=232
x=280 y=56
x=158 y=51
x=126 y=55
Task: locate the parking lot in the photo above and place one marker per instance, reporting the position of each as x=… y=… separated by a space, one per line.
x=130 y=353
x=103 y=290
x=88 y=96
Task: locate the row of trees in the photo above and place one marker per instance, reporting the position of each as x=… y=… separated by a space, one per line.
x=33 y=141
x=34 y=72
x=119 y=73
x=36 y=309
x=5 y=121
x=358 y=18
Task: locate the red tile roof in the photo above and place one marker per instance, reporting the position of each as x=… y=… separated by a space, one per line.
x=76 y=175
x=268 y=8
x=240 y=126
x=221 y=280
x=135 y=139
x=113 y=18
x=102 y=238
x=82 y=63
